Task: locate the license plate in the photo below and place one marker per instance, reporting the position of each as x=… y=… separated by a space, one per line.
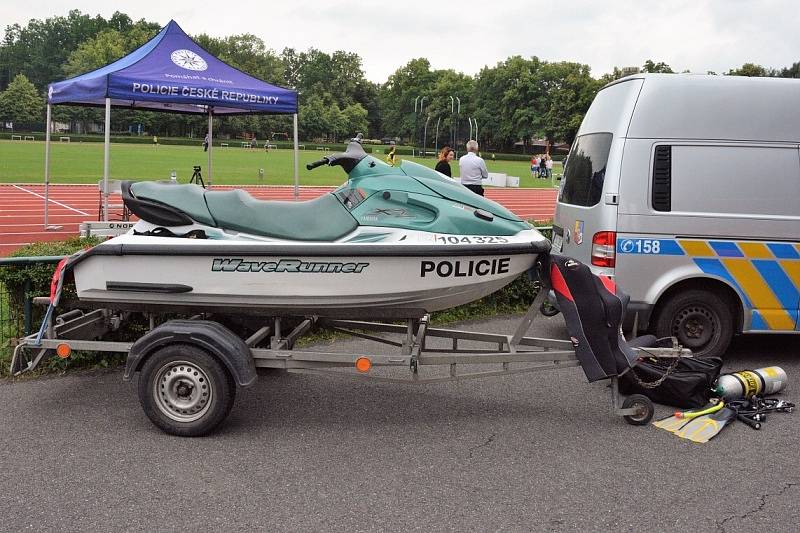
x=557 y=241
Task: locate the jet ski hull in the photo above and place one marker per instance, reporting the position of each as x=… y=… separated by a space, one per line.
x=332 y=278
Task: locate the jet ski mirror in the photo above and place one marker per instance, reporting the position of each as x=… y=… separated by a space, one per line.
x=347 y=159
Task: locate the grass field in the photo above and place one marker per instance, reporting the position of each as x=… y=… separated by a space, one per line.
x=23 y=162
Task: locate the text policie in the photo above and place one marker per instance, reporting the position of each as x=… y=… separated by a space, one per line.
x=459 y=269
x=202 y=93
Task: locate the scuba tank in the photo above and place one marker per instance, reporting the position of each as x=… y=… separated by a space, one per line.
x=747 y=383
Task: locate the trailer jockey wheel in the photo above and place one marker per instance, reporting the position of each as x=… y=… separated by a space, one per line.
x=185 y=391
x=644 y=409
x=547 y=309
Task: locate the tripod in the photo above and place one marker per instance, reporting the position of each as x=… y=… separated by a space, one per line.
x=197 y=177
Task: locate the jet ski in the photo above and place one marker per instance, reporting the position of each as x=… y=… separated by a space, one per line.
x=397 y=241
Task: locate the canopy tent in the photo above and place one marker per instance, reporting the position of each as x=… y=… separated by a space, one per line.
x=170 y=73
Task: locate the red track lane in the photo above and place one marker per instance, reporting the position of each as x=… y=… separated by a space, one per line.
x=22 y=208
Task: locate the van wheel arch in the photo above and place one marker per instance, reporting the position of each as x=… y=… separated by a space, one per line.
x=697 y=312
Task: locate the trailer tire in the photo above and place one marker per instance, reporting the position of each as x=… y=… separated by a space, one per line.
x=644 y=409
x=701 y=320
x=185 y=391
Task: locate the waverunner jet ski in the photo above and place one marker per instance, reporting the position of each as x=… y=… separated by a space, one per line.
x=391 y=241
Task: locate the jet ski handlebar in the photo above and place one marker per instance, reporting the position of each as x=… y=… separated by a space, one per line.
x=315 y=164
x=347 y=159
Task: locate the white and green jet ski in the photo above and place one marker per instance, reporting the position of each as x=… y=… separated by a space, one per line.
x=391 y=241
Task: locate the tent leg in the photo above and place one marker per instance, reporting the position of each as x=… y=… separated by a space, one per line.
x=106 y=159
x=210 y=143
x=47 y=128
x=296 y=161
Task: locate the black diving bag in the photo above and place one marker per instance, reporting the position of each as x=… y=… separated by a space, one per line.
x=688 y=385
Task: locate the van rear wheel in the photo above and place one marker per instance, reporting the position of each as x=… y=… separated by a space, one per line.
x=701 y=321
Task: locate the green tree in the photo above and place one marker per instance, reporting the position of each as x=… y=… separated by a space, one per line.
x=397 y=96
x=791 y=72
x=510 y=99
x=336 y=122
x=247 y=53
x=749 y=69
x=312 y=118
x=650 y=66
x=568 y=92
x=21 y=103
x=355 y=119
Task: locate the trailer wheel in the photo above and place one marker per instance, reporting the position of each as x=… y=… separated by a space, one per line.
x=547 y=309
x=185 y=391
x=701 y=321
x=644 y=409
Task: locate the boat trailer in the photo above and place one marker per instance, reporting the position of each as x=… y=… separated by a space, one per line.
x=189 y=369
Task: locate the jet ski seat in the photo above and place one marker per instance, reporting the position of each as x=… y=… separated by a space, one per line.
x=321 y=219
x=144 y=198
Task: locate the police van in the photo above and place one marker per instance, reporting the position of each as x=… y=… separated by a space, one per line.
x=686 y=189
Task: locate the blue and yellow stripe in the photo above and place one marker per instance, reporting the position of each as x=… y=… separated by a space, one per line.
x=766 y=275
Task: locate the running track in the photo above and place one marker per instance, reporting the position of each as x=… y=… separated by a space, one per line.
x=22 y=208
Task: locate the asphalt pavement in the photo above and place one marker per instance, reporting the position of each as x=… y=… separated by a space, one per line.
x=529 y=452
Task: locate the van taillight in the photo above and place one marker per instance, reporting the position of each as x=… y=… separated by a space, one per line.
x=604 y=249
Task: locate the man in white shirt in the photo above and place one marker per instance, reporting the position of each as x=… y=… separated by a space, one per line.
x=472 y=169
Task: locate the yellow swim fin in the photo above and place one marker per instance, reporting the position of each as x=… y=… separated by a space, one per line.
x=681 y=418
x=704 y=428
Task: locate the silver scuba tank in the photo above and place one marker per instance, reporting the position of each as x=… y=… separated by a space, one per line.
x=747 y=383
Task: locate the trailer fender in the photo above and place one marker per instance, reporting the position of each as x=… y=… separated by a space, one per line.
x=213 y=337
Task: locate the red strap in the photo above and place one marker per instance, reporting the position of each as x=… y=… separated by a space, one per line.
x=56 y=277
x=559 y=283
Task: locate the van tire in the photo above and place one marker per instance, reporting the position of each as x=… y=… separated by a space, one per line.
x=700 y=319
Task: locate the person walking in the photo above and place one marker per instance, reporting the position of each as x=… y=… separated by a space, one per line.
x=549 y=166
x=446 y=154
x=391 y=156
x=472 y=168
x=205 y=143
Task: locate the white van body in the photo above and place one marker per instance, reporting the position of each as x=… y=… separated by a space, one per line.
x=686 y=189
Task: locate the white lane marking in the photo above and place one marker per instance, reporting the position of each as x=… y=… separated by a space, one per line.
x=57 y=203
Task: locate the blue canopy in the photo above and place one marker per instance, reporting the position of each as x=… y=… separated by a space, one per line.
x=173 y=73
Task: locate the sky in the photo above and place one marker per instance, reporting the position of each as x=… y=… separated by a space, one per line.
x=694 y=35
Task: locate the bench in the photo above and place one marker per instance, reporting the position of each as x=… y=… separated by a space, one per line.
x=223 y=144
x=272 y=147
x=245 y=145
x=63 y=139
x=320 y=148
x=30 y=138
x=16 y=137
x=301 y=146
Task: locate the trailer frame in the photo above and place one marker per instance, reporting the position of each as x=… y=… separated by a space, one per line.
x=272 y=346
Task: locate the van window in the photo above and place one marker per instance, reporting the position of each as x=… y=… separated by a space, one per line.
x=736 y=180
x=586 y=170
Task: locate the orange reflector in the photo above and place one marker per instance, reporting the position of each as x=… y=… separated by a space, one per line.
x=63 y=351
x=363 y=364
